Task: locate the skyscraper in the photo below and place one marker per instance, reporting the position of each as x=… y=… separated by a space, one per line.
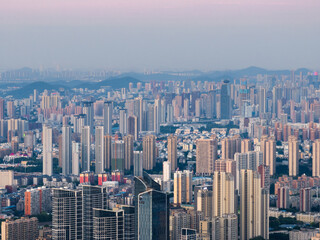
x=182 y=185
x=11 y=109
x=316 y=158
x=107 y=151
x=85 y=148
x=138 y=163
x=133 y=127
x=76 y=158
x=47 y=150
x=253 y=204
x=172 y=151
x=66 y=150
x=206 y=154
x=246 y=145
x=92 y=197
x=123 y=123
x=223 y=194
x=66 y=214
x=108 y=224
x=166 y=171
x=151 y=210
x=107 y=117
x=230 y=146
x=1 y=108
x=149 y=152
x=99 y=149
x=118 y=155
x=293 y=147
x=268 y=148
x=88 y=111
x=157 y=113
x=128 y=154
x=225 y=101
x=262 y=101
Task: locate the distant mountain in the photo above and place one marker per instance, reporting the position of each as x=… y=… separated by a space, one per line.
x=28 y=89
x=114 y=83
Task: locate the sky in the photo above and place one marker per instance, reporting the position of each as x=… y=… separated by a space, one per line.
x=178 y=35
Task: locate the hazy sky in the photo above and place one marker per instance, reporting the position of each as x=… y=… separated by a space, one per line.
x=160 y=34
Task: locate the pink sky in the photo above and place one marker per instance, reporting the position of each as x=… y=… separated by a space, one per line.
x=160 y=34
x=55 y=12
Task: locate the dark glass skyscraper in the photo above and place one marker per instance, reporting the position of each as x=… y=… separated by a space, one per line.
x=151 y=210
x=225 y=101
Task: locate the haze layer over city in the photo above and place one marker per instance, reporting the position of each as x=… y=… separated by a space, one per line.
x=162 y=120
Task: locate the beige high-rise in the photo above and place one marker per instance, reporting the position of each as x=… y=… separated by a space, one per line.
x=316 y=158
x=293 y=147
x=246 y=145
x=206 y=155
x=254 y=202
x=223 y=200
x=228 y=166
x=172 y=151
x=182 y=186
x=149 y=152
x=23 y=228
x=268 y=148
x=230 y=146
x=271 y=155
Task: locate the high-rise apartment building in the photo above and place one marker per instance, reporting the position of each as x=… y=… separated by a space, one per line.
x=76 y=153
x=85 y=149
x=47 y=150
x=182 y=186
x=11 y=109
x=107 y=151
x=283 y=198
x=156 y=115
x=1 y=108
x=246 y=145
x=268 y=148
x=107 y=117
x=253 y=203
x=149 y=152
x=138 y=163
x=305 y=200
x=66 y=151
x=133 y=127
x=118 y=155
x=88 y=111
x=223 y=198
x=128 y=154
x=206 y=155
x=316 y=158
x=123 y=121
x=262 y=101
x=37 y=200
x=23 y=228
x=99 y=149
x=249 y=160
x=293 y=147
x=230 y=146
x=172 y=152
